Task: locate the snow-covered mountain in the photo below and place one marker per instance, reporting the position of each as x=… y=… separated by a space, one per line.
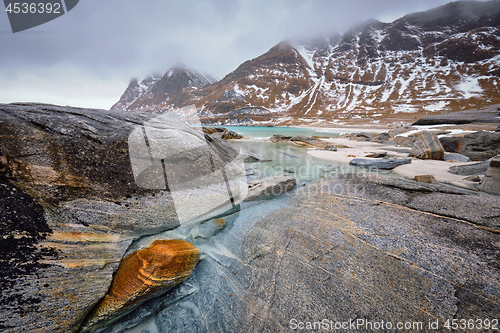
x=174 y=88
x=446 y=59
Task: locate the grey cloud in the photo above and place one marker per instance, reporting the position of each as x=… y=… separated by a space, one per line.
x=114 y=40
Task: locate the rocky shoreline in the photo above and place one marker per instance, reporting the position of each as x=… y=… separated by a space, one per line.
x=84 y=248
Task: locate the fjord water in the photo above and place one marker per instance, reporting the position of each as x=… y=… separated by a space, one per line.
x=214 y=277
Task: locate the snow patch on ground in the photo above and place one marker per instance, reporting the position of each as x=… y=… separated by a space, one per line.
x=470 y=87
x=439 y=106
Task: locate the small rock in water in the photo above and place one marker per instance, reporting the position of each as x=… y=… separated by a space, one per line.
x=143 y=275
x=210 y=228
x=427 y=146
x=426 y=179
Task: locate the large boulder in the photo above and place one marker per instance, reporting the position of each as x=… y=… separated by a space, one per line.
x=478 y=146
x=427 y=146
x=78 y=186
x=491 y=181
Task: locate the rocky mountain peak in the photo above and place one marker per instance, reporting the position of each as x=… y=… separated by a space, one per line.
x=443 y=60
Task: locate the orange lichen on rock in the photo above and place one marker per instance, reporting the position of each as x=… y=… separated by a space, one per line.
x=143 y=275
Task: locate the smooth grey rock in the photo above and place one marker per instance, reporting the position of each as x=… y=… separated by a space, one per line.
x=456 y=157
x=470 y=169
x=427 y=146
x=478 y=146
x=268 y=187
x=491 y=180
x=386 y=164
x=348 y=247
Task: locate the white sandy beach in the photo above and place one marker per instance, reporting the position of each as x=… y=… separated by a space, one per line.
x=439 y=169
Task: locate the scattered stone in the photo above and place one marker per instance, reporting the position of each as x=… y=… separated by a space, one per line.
x=279 y=138
x=330 y=148
x=456 y=157
x=399 y=130
x=470 y=169
x=381 y=138
x=271 y=186
x=377 y=155
x=320 y=137
x=342 y=146
x=491 y=180
x=230 y=135
x=221 y=132
x=478 y=146
x=427 y=147
x=426 y=179
x=351 y=155
x=497 y=129
x=386 y=163
x=300 y=140
x=143 y=275
x=473 y=178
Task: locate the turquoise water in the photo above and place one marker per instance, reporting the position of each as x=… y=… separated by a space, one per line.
x=266 y=132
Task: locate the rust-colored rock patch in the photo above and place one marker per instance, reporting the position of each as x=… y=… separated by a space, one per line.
x=143 y=275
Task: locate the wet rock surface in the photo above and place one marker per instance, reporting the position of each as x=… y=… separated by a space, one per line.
x=269 y=187
x=142 y=275
x=349 y=247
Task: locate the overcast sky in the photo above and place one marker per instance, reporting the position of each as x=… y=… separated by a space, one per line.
x=88 y=56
